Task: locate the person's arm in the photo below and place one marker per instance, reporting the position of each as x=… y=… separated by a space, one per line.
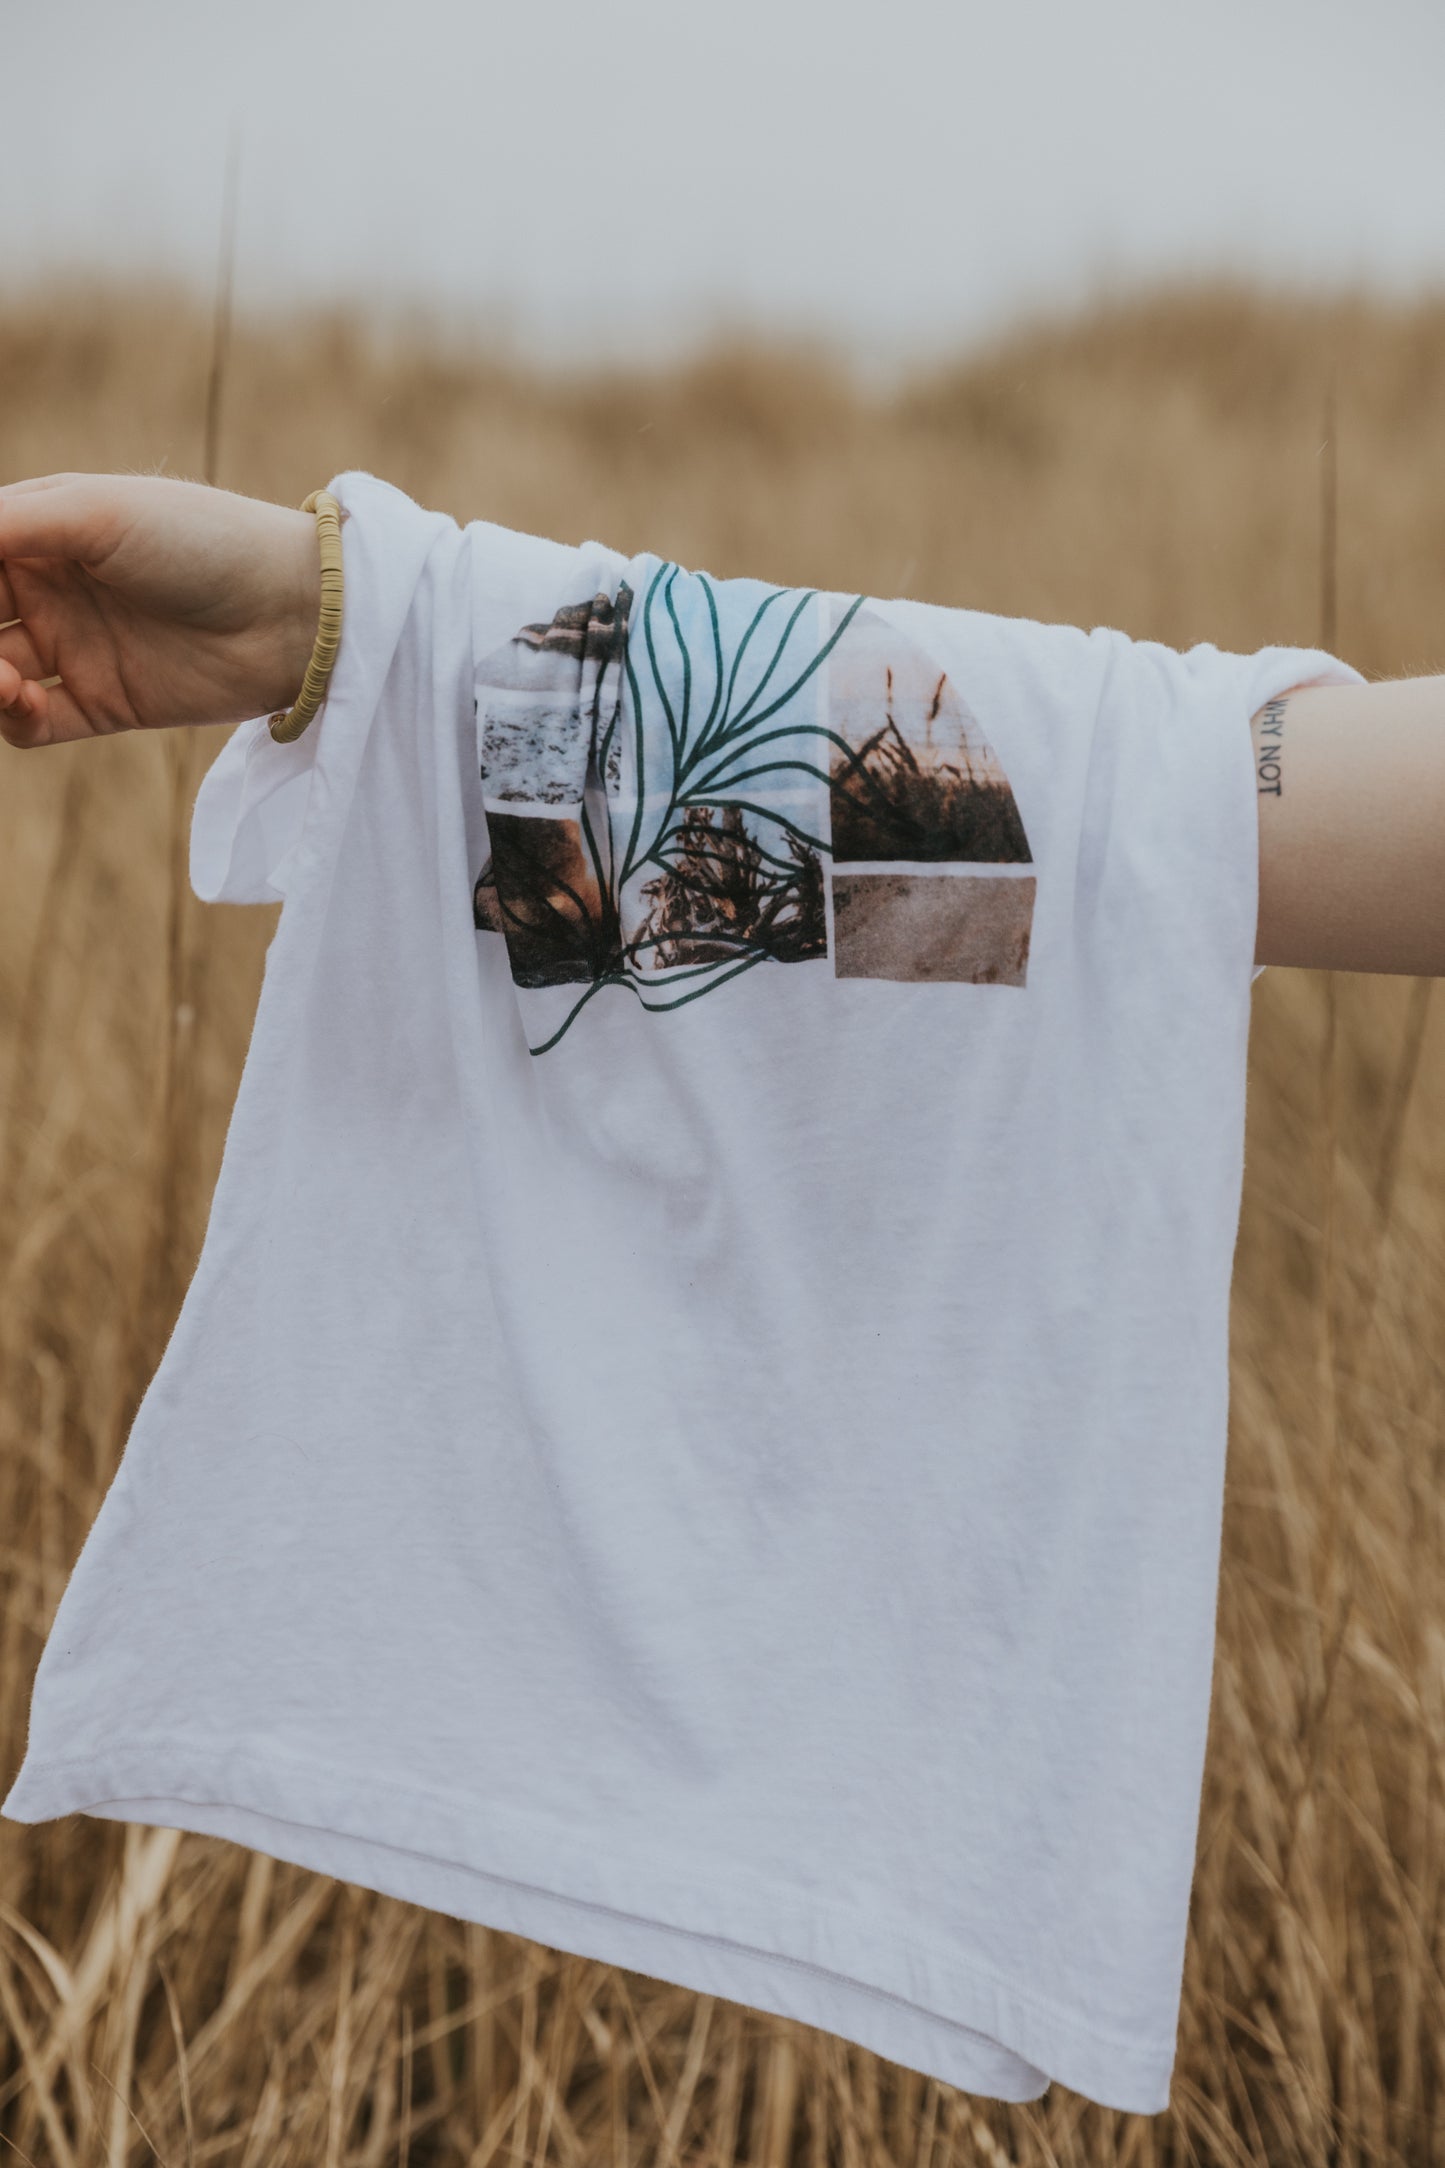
x=1351 y=796
x=160 y=602
x=154 y=601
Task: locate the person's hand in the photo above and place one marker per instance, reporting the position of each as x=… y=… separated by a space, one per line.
x=154 y=601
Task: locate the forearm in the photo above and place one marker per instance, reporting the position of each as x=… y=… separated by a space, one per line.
x=138 y=602
x=1351 y=796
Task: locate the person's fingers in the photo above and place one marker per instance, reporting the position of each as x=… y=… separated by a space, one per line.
x=19 y=721
x=42 y=714
x=19 y=650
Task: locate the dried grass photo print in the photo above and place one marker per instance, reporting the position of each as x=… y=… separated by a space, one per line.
x=916 y=783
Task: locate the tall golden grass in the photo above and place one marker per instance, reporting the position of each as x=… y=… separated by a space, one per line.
x=1157 y=466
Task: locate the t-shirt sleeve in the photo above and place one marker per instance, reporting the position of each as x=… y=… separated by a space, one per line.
x=249 y=814
x=1133 y=770
x=257 y=801
x=1213 y=689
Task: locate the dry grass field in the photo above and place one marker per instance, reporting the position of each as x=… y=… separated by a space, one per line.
x=1156 y=466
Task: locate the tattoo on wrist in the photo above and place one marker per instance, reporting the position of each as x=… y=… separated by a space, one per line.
x=1271 y=744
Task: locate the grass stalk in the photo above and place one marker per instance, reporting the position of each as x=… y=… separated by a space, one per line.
x=168 y=1259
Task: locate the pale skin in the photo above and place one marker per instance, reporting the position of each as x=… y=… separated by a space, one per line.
x=159 y=602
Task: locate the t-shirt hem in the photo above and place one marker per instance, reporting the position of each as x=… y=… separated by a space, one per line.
x=943 y=2015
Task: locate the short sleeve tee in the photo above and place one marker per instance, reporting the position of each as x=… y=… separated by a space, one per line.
x=697 y=1434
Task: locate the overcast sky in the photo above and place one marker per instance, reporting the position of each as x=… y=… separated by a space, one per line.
x=900 y=177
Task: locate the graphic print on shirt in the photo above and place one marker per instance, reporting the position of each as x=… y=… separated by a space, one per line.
x=724 y=774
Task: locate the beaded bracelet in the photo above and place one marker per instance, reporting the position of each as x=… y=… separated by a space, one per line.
x=289 y=723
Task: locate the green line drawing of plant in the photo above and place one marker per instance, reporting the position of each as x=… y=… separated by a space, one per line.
x=711 y=899
x=732 y=768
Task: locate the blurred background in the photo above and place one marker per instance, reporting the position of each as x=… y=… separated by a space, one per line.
x=629 y=181
x=626 y=181
x=1131 y=316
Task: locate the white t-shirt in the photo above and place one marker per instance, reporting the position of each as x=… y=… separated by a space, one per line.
x=697 y=1435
